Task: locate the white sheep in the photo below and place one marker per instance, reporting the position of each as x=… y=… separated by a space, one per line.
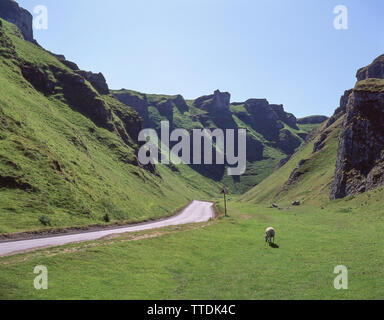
x=269 y=234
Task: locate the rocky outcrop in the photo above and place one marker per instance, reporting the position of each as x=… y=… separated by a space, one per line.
x=267 y=119
x=11 y=12
x=80 y=96
x=282 y=162
x=287 y=118
x=218 y=102
x=288 y=142
x=38 y=77
x=360 y=162
x=262 y=118
x=319 y=144
x=97 y=80
x=254 y=149
x=312 y=120
x=142 y=103
x=374 y=70
x=180 y=103
x=341 y=110
x=360 y=158
x=297 y=172
x=63 y=60
x=11 y=182
x=136 y=101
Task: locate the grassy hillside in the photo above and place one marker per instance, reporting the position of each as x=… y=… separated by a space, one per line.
x=61 y=165
x=313 y=178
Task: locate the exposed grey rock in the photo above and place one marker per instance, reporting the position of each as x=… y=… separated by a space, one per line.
x=97 y=80
x=288 y=142
x=296 y=173
x=296 y=203
x=180 y=103
x=319 y=144
x=374 y=70
x=38 y=77
x=64 y=61
x=218 y=102
x=312 y=120
x=262 y=118
x=303 y=135
x=360 y=162
x=282 y=162
x=136 y=101
x=285 y=117
x=11 y=12
x=342 y=109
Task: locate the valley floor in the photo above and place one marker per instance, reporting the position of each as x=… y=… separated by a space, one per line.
x=224 y=259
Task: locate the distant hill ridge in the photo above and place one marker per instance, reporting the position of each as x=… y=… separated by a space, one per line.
x=273 y=133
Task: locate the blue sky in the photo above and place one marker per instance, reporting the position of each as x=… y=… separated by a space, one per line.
x=284 y=50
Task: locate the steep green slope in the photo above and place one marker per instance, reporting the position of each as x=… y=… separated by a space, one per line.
x=67 y=153
x=310 y=181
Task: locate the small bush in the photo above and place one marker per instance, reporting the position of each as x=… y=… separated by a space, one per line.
x=120 y=215
x=111 y=210
x=45 y=220
x=106 y=218
x=86 y=211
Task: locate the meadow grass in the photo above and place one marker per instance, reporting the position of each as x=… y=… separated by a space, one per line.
x=226 y=259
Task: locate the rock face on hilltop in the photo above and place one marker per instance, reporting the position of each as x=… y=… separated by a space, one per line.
x=288 y=142
x=97 y=80
x=342 y=109
x=360 y=163
x=312 y=120
x=374 y=70
x=272 y=133
x=284 y=116
x=153 y=108
x=218 y=102
x=135 y=101
x=262 y=117
x=11 y=12
x=84 y=99
x=216 y=110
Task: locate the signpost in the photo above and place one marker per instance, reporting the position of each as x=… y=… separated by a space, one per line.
x=225 y=192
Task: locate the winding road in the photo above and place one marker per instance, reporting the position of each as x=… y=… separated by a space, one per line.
x=197 y=211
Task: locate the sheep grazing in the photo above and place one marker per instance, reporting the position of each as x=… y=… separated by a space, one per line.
x=269 y=234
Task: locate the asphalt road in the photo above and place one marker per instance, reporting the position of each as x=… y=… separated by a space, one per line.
x=197 y=211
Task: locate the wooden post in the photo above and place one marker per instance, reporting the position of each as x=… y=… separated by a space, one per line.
x=225 y=192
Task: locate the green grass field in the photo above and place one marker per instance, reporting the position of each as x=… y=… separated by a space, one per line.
x=226 y=259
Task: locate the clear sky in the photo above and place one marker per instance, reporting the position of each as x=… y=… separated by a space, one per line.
x=287 y=51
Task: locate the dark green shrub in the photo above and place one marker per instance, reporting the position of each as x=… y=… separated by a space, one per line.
x=45 y=220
